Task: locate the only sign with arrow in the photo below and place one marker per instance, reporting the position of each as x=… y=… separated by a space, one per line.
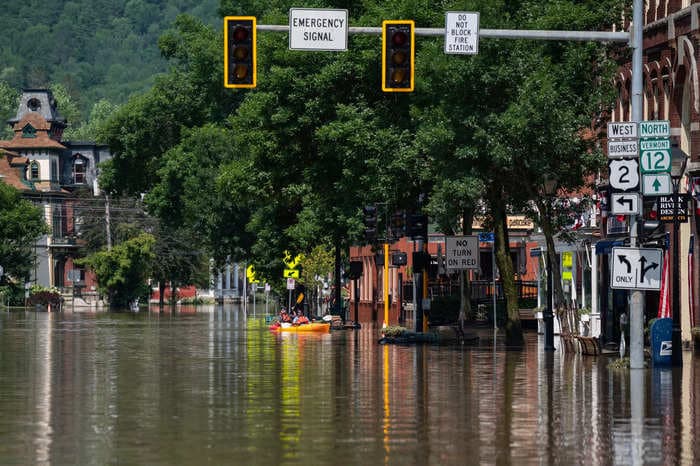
x=625 y=203
x=636 y=268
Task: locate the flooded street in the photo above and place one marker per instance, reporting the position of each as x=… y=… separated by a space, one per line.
x=213 y=386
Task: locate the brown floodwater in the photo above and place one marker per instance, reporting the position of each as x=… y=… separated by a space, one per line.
x=212 y=386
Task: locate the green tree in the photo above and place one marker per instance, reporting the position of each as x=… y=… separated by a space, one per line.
x=316 y=267
x=21 y=225
x=123 y=270
x=9 y=99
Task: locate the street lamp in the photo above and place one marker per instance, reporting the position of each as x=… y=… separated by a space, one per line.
x=679 y=159
x=550 y=185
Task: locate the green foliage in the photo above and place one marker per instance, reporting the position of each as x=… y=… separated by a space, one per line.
x=289 y=165
x=122 y=271
x=21 y=225
x=317 y=263
x=9 y=98
x=393 y=331
x=95 y=49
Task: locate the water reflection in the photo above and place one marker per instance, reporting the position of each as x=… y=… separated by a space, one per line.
x=212 y=385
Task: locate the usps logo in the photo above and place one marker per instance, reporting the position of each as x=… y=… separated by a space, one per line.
x=666 y=347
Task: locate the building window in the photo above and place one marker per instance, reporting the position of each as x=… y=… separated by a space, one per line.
x=54 y=170
x=79 y=166
x=34 y=171
x=28 y=131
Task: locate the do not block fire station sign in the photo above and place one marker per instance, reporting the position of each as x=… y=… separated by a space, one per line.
x=636 y=269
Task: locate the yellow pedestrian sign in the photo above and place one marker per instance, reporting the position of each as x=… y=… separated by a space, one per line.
x=291 y=273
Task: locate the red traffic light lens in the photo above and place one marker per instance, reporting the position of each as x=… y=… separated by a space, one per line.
x=240 y=71
x=399 y=39
x=241 y=53
x=240 y=34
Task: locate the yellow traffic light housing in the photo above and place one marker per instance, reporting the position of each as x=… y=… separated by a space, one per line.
x=398 y=55
x=240 y=58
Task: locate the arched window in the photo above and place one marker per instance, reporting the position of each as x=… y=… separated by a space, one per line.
x=34 y=171
x=79 y=170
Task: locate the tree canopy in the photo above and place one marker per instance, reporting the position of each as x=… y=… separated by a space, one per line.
x=21 y=225
x=289 y=165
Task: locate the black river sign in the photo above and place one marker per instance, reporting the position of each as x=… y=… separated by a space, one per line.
x=673 y=208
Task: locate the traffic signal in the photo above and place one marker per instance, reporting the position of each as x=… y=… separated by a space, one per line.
x=418 y=226
x=355 y=271
x=399 y=258
x=239 y=52
x=398 y=225
x=370 y=220
x=398 y=55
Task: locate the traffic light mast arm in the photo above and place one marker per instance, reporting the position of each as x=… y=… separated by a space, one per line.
x=585 y=36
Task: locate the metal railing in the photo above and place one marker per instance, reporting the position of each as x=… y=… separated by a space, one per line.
x=481 y=290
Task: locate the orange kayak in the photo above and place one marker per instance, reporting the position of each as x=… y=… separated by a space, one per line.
x=323 y=327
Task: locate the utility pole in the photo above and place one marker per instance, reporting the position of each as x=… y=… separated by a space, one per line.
x=636 y=302
x=107 y=223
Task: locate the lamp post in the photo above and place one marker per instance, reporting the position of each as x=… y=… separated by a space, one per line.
x=678 y=163
x=549 y=190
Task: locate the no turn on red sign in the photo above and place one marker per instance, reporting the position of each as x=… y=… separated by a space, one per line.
x=461 y=252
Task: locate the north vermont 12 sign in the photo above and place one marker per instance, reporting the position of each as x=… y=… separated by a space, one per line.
x=461 y=252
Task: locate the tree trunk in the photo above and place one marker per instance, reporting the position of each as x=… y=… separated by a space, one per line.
x=559 y=307
x=514 y=331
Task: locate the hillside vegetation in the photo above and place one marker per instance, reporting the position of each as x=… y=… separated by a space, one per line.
x=95 y=49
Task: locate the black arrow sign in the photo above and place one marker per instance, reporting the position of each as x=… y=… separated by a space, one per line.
x=652 y=266
x=623 y=200
x=623 y=260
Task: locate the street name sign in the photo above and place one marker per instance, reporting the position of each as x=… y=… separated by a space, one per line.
x=622 y=130
x=462 y=252
x=636 y=269
x=318 y=29
x=462 y=32
x=654 y=129
x=656 y=184
x=670 y=207
x=625 y=203
x=620 y=148
x=624 y=174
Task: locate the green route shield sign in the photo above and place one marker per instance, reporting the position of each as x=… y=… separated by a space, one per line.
x=655 y=160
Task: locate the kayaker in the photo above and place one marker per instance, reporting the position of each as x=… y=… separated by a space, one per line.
x=284 y=317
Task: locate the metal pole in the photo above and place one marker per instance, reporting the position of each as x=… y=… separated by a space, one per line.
x=676 y=350
x=418 y=280
x=357 y=302
x=386 y=284
x=601 y=36
x=636 y=303
x=493 y=268
x=548 y=314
